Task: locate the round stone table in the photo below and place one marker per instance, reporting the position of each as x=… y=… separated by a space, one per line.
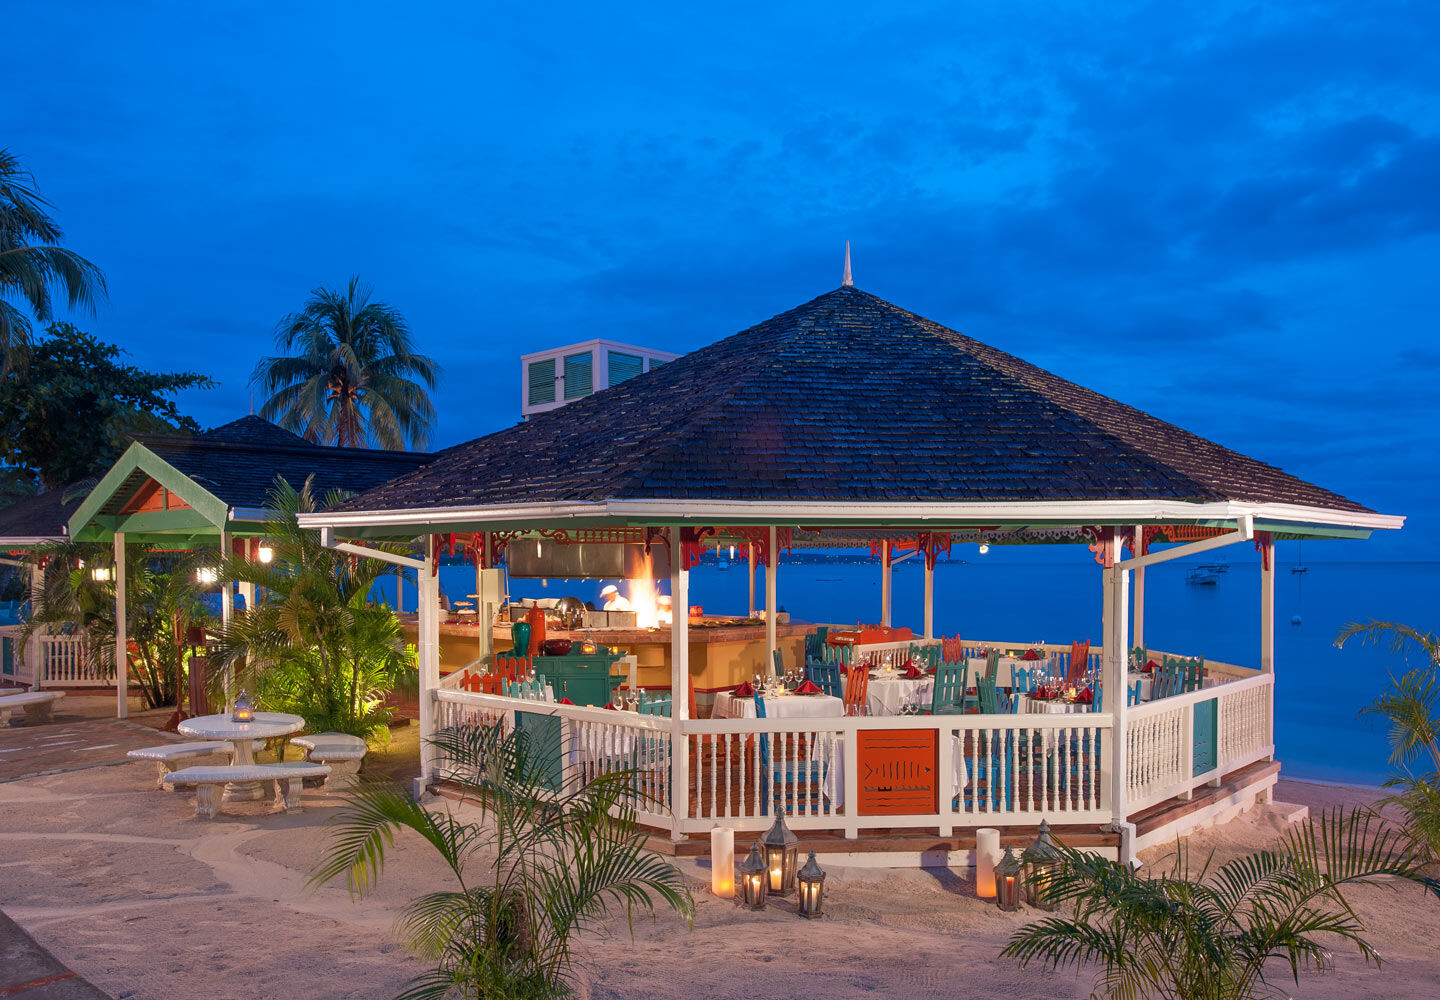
x=265 y=725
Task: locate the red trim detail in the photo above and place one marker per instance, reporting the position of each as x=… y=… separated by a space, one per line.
x=1265 y=545
x=930 y=544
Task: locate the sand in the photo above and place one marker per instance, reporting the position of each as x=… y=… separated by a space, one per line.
x=123 y=885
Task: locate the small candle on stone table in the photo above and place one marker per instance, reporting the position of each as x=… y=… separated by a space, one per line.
x=722 y=862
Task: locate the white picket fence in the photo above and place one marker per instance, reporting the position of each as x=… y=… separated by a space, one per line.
x=64 y=663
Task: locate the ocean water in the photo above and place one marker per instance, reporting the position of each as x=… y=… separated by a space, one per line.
x=1319 y=688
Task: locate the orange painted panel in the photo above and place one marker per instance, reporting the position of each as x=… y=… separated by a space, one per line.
x=898 y=771
x=153 y=496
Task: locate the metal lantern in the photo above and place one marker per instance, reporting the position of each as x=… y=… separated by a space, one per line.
x=782 y=851
x=811 y=880
x=243 y=712
x=100 y=574
x=754 y=886
x=1007 y=881
x=265 y=553
x=1041 y=862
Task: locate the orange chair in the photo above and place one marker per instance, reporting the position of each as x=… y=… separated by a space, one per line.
x=857 y=689
x=1079 y=662
x=952 y=650
x=512 y=668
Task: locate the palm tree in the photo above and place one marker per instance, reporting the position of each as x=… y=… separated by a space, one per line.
x=1412 y=706
x=1211 y=935
x=313 y=644
x=32 y=267
x=350 y=375
x=531 y=873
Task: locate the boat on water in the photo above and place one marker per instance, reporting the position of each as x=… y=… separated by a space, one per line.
x=1203 y=576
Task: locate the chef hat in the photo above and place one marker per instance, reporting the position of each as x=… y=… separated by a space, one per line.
x=611 y=589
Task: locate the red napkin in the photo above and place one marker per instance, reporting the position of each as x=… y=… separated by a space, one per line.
x=913 y=672
x=610 y=707
x=808 y=687
x=566 y=701
x=1151 y=667
x=1086 y=697
x=1031 y=654
x=745 y=690
x=906 y=665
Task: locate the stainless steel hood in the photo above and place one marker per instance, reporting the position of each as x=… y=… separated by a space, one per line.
x=585 y=561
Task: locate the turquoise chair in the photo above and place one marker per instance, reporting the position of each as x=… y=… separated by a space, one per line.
x=825 y=675
x=1024 y=680
x=655 y=704
x=809 y=772
x=948 y=695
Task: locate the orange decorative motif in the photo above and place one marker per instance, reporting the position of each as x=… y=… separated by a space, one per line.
x=898 y=769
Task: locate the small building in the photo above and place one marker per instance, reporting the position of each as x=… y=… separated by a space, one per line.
x=550 y=379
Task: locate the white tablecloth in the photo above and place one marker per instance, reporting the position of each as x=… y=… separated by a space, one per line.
x=785 y=706
x=887 y=693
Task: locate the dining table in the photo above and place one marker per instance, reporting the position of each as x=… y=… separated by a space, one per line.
x=1029 y=704
x=891 y=690
x=779 y=706
x=223 y=728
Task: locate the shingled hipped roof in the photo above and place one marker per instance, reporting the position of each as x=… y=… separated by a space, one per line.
x=845 y=398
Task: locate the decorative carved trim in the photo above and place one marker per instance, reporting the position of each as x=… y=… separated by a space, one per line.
x=930 y=543
x=1102 y=544
x=1265 y=545
x=692 y=546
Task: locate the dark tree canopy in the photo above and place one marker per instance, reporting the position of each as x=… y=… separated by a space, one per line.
x=70 y=410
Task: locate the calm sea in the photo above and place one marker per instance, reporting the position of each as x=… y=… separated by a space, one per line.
x=1319 y=689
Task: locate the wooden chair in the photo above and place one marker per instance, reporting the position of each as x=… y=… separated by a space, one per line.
x=857 y=691
x=789 y=774
x=512 y=668
x=658 y=704
x=952 y=650
x=1079 y=662
x=779 y=664
x=1023 y=680
x=948 y=695
x=825 y=675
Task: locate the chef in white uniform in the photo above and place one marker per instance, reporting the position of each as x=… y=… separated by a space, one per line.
x=613 y=601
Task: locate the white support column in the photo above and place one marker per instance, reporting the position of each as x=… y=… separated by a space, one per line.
x=34 y=652
x=1267 y=606
x=428 y=651
x=679 y=685
x=399 y=591
x=227 y=611
x=885 y=582
x=1114 y=670
x=751 y=558
x=122 y=639
x=772 y=605
x=1139 y=625
x=929 y=599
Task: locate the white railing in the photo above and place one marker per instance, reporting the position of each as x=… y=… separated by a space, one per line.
x=935 y=771
x=590 y=742
x=1160 y=739
x=65 y=663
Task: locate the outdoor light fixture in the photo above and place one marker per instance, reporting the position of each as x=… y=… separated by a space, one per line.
x=1007 y=882
x=811 y=880
x=243 y=712
x=537 y=548
x=1041 y=862
x=984 y=548
x=782 y=851
x=100 y=574
x=753 y=883
x=206 y=574
x=732 y=553
x=722 y=862
x=264 y=554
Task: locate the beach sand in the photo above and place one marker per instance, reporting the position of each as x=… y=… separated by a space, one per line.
x=123 y=885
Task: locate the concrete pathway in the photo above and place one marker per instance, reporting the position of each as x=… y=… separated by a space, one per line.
x=29 y=972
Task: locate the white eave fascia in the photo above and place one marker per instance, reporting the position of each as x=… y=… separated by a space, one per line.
x=29 y=541
x=820 y=512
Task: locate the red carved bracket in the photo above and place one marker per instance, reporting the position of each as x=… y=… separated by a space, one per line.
x=931 y=543
x=760 y=538
x=1102 y=544
x=1265 y=545
x=692 y=545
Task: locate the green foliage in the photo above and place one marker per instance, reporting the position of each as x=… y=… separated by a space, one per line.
x=530 y=873
x=1411 y=706
x=32 y=268
x=1209 y=935
x=72 y=407
x=350 y=375
x=162 y=600
x=313 y=645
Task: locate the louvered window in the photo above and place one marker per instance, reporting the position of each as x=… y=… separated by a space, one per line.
x=623 y=366
x=579 y=376
x=542 y=381
x=656 y=363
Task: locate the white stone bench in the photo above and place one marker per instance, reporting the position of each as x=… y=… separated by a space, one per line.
x=37 y=705
x=169 y=756
x=341 y=751
x=287 y=776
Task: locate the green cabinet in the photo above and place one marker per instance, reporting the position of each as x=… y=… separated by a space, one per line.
x=584 y=678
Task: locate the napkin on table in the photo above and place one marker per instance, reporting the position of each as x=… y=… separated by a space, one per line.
x=809 y=687
x=566 y=701
x=744 y=690
x=912 y=672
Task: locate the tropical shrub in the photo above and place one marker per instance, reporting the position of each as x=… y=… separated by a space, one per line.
x=1209 y=935
x=162 y=601
x=1411 y=705
x=313 y=644
x=530 y=873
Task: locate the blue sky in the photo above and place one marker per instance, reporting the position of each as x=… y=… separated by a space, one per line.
x=1226 y=215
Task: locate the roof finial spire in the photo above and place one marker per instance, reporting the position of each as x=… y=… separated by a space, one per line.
x=846 y=281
